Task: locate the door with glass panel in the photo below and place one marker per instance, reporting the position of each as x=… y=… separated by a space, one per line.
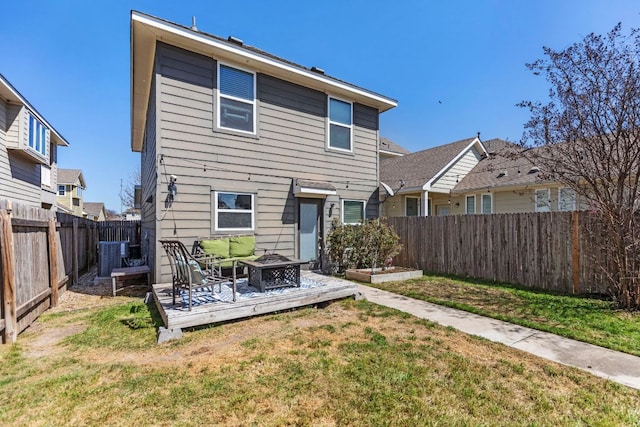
x=309 y=229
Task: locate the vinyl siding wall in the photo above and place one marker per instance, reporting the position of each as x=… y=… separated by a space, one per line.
x=290 y=143
x=20 y=176
x=458 y=170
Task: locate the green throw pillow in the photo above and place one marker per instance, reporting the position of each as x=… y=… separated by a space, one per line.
x=217 y=247
x=242 y=246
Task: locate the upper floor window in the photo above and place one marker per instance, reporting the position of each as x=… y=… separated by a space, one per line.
x=37 y=136
x=78 y=191
x=61 y=190
x=353 y=211
x=340 y=124
x=470 y=205
x=236 y=99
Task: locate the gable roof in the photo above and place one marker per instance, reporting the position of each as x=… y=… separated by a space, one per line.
x=11 y=94
x=147 y=29
x=71 y=176
x=389 y=147
x=93 y=208
x=418 y=169
x=502 y=168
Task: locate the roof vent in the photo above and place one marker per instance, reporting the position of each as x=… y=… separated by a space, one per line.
x=534 y=169
x=193 y=23
x=317 y=70
x=502 y=173
x=235 y=40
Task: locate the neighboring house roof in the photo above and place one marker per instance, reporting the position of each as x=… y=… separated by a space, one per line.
x=502 y=168
x=417 y=170
x=11 y=94
x=94 y=208
x=391 y=148
x=71 y=176
x=64 y=209
x=147 y=29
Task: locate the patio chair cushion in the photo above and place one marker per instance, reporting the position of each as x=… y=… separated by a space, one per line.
x=216 y=247
x=242 y=246
x=197 y=275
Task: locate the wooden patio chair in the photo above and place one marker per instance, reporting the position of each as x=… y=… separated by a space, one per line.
x=186 y=271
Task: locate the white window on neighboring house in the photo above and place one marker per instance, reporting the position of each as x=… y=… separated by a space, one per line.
x=61 y=190
x=340 y=124
x=234 y=211
x=542 y=203
x=353 y=211
x=236 y=99
x=470 y=205
x=487 y=203
x=78 y=191
x=412 y=206
x=567 y=199
x=37 y=136
x=45 y=175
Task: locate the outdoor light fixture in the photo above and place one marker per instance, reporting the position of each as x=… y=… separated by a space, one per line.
x=173 y=190
x=331 y=209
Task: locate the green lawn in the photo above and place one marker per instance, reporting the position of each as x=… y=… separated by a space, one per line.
x=351 y=363
x=586 y=319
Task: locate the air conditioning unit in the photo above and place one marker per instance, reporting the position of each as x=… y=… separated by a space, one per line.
x=110 y=256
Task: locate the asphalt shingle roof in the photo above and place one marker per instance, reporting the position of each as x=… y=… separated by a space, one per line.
x=388 y=145
x=416 y=169
x=69 y=176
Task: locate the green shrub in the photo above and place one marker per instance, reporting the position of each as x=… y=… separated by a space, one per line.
x=368 y=245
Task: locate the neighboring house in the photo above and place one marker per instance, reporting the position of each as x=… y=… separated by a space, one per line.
x=70 y=187
x=234 y=140
x=132 y=215
x=506 y=182
x=420 y=183
x=478 y=178
x=389 y=149
x=28 y=151
x=95 y=211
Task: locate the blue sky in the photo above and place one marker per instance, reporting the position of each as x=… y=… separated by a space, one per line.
x=455 y=67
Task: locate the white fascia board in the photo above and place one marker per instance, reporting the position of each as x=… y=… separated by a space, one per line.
x=308 y=190
x=427 y=185
x=387 y=103
x=17 y=97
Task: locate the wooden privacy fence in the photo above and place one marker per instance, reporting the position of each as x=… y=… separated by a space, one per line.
x=41 y=253
x=537 y=250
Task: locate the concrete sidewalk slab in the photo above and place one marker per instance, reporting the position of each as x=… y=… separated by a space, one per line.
x=613 y=365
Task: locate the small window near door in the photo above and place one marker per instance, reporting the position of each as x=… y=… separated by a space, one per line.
x=542 y=203
x=353 y=211
x=567 y=199
x=411 y=206
x=486 y=204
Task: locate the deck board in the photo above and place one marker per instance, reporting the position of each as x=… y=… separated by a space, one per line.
x=178 y=316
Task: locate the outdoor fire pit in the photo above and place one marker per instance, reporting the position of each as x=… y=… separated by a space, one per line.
x=273 y=271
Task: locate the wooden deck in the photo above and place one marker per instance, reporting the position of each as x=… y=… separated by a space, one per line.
x=250 y=302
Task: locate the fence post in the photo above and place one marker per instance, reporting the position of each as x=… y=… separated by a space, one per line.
x=575 y=251
x=74 y=255
x=8 y=279
x=53 y=262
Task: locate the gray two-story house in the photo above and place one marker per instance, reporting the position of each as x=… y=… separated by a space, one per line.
x=234 y=140
x=28 y=151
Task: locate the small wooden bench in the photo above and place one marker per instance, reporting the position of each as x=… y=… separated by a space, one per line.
x=119 y=275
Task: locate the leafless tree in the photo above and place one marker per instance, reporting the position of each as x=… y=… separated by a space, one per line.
x=127 y=195
x=587 y=137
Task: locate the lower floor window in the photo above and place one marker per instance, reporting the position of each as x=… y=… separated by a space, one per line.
x=353 y=211
x=234 y=211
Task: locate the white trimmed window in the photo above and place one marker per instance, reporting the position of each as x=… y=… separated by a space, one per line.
x=37 y=136
x=567 y=199
x=487 y=203
x=340 y=124
x=61 y=190
x=470 y=205
x=45 y=175
x=412 y=206
x=542 y=200
x=353 y=211
x=234 y=211
x=236 y=99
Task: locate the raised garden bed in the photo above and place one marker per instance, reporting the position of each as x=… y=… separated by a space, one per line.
x=379 y=275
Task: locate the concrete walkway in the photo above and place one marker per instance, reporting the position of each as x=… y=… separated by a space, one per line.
x=615 y=366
